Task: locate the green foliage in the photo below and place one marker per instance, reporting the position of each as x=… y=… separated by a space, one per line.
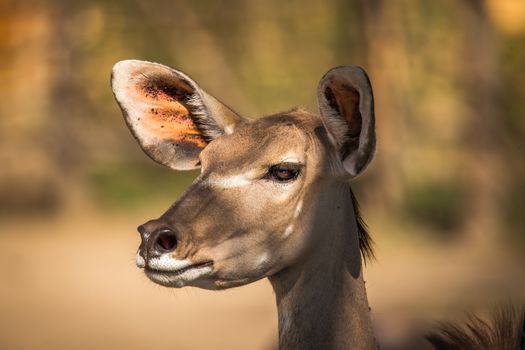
x=440 y=205
x=130 y=185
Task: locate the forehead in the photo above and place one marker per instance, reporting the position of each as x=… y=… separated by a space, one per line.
x=265 y=140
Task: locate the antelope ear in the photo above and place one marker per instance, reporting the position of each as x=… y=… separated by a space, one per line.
x=346 y=104
x=169 y=115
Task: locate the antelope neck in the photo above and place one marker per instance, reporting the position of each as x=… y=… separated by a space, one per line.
x=321 y=300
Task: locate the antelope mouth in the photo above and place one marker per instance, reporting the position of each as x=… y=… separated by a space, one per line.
x=181 y=276
x=180 y=271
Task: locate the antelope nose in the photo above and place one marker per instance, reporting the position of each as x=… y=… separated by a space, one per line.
x=165 y=240
x=157 y=238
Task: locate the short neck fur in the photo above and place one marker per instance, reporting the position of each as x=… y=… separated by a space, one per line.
x=321 y=300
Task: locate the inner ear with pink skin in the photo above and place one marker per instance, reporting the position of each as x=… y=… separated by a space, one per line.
x=171 y=117
x=346 y=103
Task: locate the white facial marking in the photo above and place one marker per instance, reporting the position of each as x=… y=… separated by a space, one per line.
x=233 y=181
x=167 y=263
x=298 y=209
x=289 y=230
x=228 y=129
x=290 y=158
x=140 y=261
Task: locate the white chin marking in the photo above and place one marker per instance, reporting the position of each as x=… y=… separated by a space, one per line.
x=232 y=181
x=167 y=263
x=194 y=274
x=164 y=271
x=182 y=279
x=140 y=261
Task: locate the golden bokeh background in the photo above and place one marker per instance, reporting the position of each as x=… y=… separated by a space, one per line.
x=444 y=197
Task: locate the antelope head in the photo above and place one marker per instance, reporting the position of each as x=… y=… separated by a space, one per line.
x=268 y=187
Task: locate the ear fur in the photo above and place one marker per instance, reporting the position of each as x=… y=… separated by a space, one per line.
x=171 y=117
x=346 y=103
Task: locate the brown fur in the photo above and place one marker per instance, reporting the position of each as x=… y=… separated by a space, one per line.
x=242 y=224
x=505 y=330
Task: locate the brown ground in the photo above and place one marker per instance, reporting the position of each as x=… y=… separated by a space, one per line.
x=71 y=283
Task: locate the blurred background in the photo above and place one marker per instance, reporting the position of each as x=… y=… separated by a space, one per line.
x=444 y=197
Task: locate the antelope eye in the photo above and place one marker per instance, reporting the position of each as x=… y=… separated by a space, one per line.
x=283 y=172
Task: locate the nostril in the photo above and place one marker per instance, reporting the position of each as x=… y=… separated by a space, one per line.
x=141 y=229
x=166 y=241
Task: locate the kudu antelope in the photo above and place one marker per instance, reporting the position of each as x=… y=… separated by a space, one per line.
x=272 y=200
